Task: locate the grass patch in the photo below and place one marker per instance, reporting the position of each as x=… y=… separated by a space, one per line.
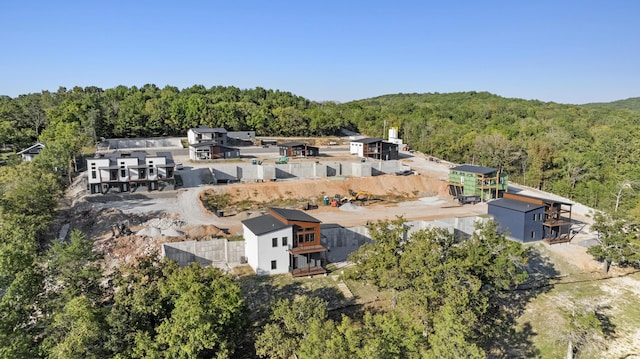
x=614 y=299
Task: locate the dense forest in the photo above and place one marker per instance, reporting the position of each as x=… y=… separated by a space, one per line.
x=450 y=298
x=586 y=153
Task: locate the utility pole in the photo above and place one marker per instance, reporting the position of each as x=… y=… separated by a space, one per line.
x=384 y=128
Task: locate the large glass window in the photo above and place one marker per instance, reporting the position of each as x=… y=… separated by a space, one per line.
x=274 y=242
x=284 y=241
x=274 y=264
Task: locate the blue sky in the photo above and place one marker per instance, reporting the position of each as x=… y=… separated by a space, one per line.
x=560 y=51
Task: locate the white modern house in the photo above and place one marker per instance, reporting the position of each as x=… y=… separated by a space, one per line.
x=375 y=148
x=205 y=134
x=126 y=171
x=206 y=143
x=284 y=241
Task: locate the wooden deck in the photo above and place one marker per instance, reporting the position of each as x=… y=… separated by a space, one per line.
x=560 y=239
x=307 y=271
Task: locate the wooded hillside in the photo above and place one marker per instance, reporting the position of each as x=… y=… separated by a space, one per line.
x=586 y=153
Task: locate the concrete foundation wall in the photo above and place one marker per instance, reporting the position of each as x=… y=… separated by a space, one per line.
x=226 y=173
x=339 y=241
x=115 y=144
x=303 y=170
x=213 y=252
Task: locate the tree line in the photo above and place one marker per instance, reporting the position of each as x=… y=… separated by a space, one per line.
x=586 y=153
x=448 y=295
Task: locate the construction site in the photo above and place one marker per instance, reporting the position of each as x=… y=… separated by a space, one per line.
x=200 y=221
x=211 y=198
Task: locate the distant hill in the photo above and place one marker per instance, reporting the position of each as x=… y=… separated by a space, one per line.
x=632 y=104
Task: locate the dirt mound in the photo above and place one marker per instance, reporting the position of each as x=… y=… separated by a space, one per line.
x=385 y=185
x=204 y=232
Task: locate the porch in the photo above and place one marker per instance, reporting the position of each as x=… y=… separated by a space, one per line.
x=307 y=260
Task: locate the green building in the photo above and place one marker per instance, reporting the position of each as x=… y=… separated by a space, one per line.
x=482 y=182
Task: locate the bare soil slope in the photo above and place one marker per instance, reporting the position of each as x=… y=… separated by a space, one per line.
x=386 y=185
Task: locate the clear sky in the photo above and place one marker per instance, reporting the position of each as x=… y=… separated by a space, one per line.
x=573 y=51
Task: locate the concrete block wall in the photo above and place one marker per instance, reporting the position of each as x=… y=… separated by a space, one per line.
x=116 y=143
x=204 y=252
x=339 y=241
x=303 y=170
x=226 y=172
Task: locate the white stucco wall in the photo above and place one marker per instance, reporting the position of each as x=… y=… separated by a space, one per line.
x=126 y=162
x=93 y=165
x=260 y=252
x=151 y=163
x=191 y=137
x=356 y=148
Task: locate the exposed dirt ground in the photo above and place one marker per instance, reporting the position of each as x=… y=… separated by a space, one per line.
x=177 y=215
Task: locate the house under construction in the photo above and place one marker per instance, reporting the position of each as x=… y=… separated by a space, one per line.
x=485 y=183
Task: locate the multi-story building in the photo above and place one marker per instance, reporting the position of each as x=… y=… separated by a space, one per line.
x=374 y=148
x=284 y=241
x=206 y=143
x=298 y=149
x=528 y=218
x=483 y=182
x=125 y=171
x=205 y=134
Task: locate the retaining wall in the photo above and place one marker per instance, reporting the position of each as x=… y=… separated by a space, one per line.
x=339 y=241
x=217 y=252
x=303 y=170
x=117 y=143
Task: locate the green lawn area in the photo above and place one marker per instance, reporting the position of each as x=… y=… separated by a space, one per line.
x=613 y=297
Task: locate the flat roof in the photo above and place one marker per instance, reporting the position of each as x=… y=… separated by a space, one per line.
x=544 y=199
x=292 y=144
x=515 y=205
x=368 y=140
x=474 y=169
x=207 y=129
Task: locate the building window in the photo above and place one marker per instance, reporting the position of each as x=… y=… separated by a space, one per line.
x=274 y=242
x=93 y=174
x=533 y=234
x=274 y=264
x=310 y=237
x=123 y=172
x=284 y=241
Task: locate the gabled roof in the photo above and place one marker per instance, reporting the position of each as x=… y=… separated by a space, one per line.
x=368 y=140
x=264 y=224
x=37 y=146
x=207 y=129
x=515 y=205
x=474 y=169
x=294 y=215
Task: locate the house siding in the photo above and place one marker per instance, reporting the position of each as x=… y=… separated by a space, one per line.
x=519 y=225
x=260 y=252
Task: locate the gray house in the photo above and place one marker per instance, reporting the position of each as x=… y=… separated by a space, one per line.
x=519 y=220
x=30 y=152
